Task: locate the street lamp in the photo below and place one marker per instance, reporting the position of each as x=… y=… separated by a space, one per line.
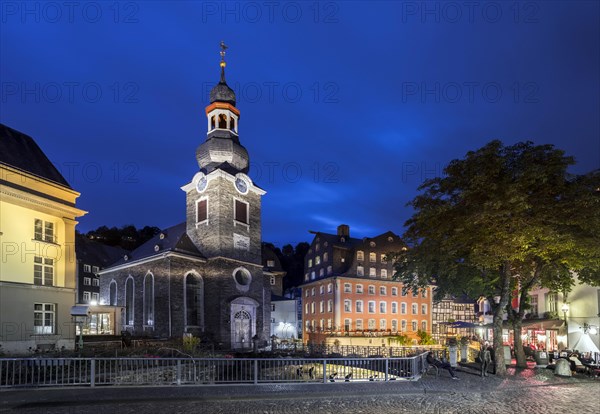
x=565 y=309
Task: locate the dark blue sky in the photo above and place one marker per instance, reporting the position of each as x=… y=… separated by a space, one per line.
x=345 y=106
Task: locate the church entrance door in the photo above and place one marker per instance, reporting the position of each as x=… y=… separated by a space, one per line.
x=242 y=333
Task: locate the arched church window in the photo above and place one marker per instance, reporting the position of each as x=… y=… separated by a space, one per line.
x=213 y=122
x=112 y=293
x=193 y=300
x=129 y=298
x=223 y=121
x=149 y=300
x=232 y=125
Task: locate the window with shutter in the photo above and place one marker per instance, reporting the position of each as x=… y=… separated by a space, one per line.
x=202 y=210
x=241 y=211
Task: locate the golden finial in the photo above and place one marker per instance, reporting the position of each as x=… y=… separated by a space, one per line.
x=223 y=48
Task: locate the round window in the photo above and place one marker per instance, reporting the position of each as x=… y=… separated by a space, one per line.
x=242 y=277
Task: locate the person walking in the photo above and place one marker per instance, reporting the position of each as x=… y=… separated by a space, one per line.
x=485 y=358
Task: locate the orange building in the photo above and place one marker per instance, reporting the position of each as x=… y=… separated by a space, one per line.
x=348 y=290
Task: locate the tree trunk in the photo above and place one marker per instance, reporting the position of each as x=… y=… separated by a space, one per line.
x=499 y=309
x=519 y=352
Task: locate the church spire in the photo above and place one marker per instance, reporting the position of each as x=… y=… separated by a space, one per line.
x=222 y=92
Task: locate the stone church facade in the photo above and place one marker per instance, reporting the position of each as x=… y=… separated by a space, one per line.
x=203 y=276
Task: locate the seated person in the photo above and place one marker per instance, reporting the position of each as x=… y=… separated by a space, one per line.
x=576 y=364
x=431 y=360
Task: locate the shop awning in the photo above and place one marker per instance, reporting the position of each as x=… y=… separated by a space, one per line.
x=80 y=310
x=543 y=324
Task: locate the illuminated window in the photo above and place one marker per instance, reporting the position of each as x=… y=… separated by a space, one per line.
x=44 y=318
x=360 y=255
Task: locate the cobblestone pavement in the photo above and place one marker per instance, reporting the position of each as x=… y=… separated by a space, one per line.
x=522 y=391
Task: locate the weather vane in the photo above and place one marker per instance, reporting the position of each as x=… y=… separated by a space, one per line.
x=223 y=49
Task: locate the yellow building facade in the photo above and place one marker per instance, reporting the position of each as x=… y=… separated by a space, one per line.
x=37 y=239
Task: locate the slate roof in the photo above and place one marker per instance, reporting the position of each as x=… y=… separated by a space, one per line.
x=21 y=151
x=175 y=239
x=269 y=254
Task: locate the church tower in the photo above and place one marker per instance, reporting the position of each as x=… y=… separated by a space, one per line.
x=223 y=204
x=223 y=220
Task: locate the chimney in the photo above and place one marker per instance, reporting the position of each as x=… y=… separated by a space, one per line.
x=343 y=230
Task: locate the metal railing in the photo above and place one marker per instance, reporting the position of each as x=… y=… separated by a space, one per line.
x=44 y=372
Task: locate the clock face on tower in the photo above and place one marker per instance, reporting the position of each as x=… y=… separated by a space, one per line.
x=241 y=185
x=201 y=184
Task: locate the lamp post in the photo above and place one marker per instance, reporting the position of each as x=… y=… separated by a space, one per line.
x=565 y=309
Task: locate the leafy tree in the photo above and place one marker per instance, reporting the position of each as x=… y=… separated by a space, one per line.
x=500 y=217
x=425 y=338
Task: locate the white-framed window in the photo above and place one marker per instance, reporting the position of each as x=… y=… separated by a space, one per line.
x=329 y=323
x=307 y=326
x=87 y=268
x=330 y=305
x=383 y=258
x=95 y=269
x=329 y=287
x=347 y=325
x=360 y=255
x=112 y=293
x=241 y=211
x=307 y=292
x=359 y=324
x=317 y=260
x=95 y=282
x=423 y=309
x=322 y=324
x=202 y=211
x=424 y=326
x=312 y=291
x=329 y=270
x=312 y=275
x=325 y=256
x=270 y=263
x=95 y=296
x=371 y=290
x=372 y=257
x=384 y=273
x=382 y=291
x=321 y=272
x=415 y=309
x=394 y=325
x=371 y=324
x=322 y=289
x=403 y=292
x=403 y=324
x=309 y=262
x=307 y=308
x=87 y=281
x=312 y=307
x=43 y=231
x=87 y=296
x=359 y=306
x=347 y=288
x=383 y=307
x=371 y=306
x=403 y=308
x=424 y=293
x=44 y=318
x=382 y=324
x=43 y=271
x=321 y=306
x=414 y=326
x=360 y=271
x=359 y=288
x=347 y=305
x=394 y=291
x=372 y=272
x=306 y=277
x=394 y=307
